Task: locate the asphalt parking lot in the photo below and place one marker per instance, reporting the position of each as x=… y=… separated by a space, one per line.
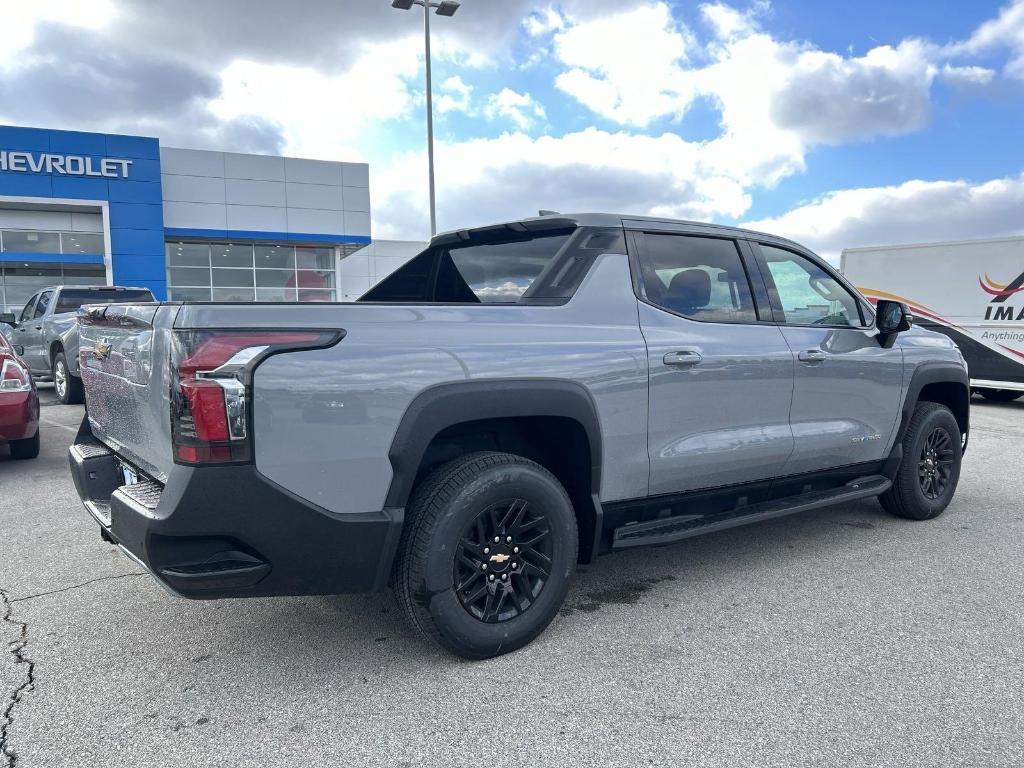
x=839 y=637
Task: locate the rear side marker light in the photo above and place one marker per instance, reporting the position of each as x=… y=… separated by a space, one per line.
x=211 y=386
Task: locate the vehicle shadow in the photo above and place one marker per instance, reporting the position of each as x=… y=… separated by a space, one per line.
x=359 y=628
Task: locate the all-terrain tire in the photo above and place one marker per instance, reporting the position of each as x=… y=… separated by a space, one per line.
x=444 y=507
x=910 y=495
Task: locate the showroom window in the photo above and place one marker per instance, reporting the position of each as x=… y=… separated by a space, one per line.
x=19 y=281
x=33 y=241
x=247 y=272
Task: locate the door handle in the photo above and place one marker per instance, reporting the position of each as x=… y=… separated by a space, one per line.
x=682 y=358
x=813 y=356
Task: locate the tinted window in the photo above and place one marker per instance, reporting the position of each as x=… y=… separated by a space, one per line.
x=43 y=303
x=504 y=271
x=701 y=278
x=70 y=301
x=26 y=313
x=807 y=293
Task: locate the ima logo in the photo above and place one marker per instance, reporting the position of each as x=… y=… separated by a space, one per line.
x=997 y=308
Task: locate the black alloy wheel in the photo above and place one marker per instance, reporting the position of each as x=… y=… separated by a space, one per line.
x=504 y=561
x=487 y=552
x=932 y=450
x=935 y=465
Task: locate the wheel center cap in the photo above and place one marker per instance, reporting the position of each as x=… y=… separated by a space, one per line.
x=499 y=559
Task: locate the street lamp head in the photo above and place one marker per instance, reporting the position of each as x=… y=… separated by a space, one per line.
x=445 y=7
x=402 y=5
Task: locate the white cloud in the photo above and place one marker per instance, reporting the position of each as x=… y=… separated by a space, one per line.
x=967 y=77
x=323 y=115
x=911 y=212
x=455 y=96
x=1004 y=31
x=626 y=66
x=518 y=108
x=486 y=180
x=21 y=17
x=543 y=22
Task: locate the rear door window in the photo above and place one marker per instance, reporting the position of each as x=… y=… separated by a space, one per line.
x=701 y=278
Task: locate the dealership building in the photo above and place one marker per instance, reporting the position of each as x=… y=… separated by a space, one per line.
x=91 y=209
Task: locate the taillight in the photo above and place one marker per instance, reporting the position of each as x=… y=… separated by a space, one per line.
x=14 y=377
x=211 y=388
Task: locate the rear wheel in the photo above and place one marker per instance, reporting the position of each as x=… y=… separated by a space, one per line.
x=25 y=449
x=928 y=475
x=1000 y=395
x=68 y=388
x=487 y=553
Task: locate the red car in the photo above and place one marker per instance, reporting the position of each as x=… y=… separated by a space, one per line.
x=19 y=405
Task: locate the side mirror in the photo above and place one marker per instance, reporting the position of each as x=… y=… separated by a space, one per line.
x=18 y=349
x=891 y=319
x=8 y=317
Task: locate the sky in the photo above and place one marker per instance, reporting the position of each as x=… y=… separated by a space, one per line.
x=837 y=124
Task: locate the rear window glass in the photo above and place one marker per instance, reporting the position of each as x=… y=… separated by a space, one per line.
x=506 y=271
x=70 y=301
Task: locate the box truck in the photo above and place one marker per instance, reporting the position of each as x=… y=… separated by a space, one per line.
x=970 y=290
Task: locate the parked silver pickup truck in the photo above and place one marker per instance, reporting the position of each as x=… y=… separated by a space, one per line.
x=513 y=401
x=47 y=331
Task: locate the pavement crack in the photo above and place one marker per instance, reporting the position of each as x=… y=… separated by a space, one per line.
x=77 y=586
x=17 y=649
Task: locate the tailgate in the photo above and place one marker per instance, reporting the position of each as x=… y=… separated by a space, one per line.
x=124 y=357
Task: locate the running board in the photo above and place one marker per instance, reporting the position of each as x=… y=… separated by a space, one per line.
x=668 y=529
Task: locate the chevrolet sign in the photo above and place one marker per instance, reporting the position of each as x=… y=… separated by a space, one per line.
x=65 y=165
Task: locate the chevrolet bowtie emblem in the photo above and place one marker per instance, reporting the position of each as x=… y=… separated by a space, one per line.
x=499 y=558
x=102 y=350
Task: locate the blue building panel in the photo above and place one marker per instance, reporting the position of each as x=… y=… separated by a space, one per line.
x=135 y=241
x=24 y=185
x=77 y=143
x=136 y=216
x=135 y=147
x=27 y=139
x=79 y=187
x=135 y=192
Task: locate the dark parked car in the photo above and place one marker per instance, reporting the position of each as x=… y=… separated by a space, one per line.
x=19 y=404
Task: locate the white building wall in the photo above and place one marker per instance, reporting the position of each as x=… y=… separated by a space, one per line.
x=366 y=267
x=226 y=191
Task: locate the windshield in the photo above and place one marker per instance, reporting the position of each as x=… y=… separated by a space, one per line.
x=71 y=300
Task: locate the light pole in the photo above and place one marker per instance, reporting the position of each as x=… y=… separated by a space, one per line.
x=444 y=8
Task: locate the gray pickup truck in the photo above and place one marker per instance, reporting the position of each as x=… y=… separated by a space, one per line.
x=47 y=332
x=513 y=401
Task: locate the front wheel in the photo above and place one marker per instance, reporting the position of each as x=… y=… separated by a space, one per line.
x=928 y=475
x=1000 y=395
x=487 y=554
x=68 y=387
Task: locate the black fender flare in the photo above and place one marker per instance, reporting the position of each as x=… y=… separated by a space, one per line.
x=923 y=375
x=445 y=405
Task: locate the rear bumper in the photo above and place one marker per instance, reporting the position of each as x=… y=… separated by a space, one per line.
x=214 y=532
x=19 y=415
